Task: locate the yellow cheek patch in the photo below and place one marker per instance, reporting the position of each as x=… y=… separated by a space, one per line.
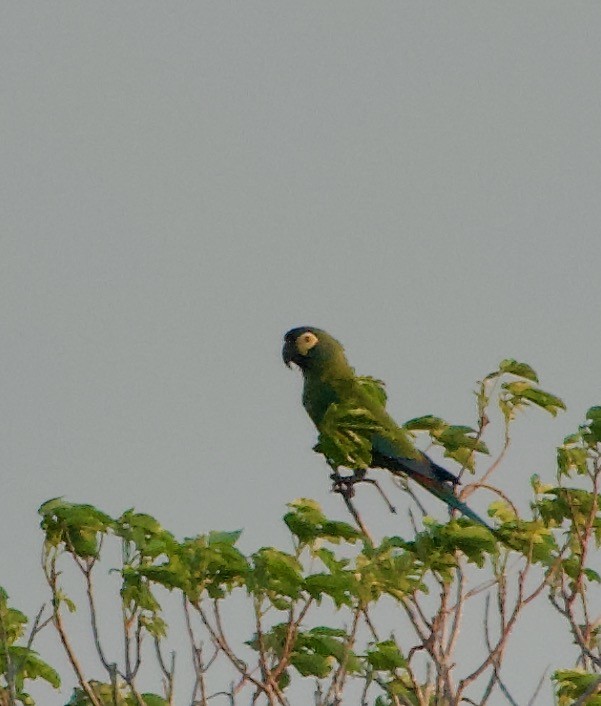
x=305 y=342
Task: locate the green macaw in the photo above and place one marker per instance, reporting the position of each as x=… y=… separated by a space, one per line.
x=355 y=430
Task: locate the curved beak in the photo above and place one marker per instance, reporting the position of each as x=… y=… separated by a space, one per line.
x=288 y=352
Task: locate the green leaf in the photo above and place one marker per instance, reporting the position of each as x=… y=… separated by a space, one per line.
x=426 y=423
x=61 y=597
x=436 y=546
x=394 y=568
x=155 y=625
x=224 y=537
x=305 y=519
x=386 y=656
x=593 y=426
x=334 y=530
x=475 y=541
x=308 y=523
x=136 y=592
x=327 y=631
x=521 y=392
x=523 y=370
x=83 y=543
x=561 y=503
x=532 y=538
x=382 y=701
x=170 y=575
x=572 y=684
x=217 y=568
x=77 y=526
x=459 y=441
x=330 y=561
x=316 y=650
x=501 y=511
x=572 y=458
x=28 y=665
x=277 y=572
x=538 y=486
x=312 y=665
x=284 y=680
x=152 y=700
x=460 y=444
x=142 y=521
x=12 y=621
x=149 y=538
x=102 y=692
x=457 y=437
x=592 y=575
x=325 y=642
x=402 y=686
x=340 y=587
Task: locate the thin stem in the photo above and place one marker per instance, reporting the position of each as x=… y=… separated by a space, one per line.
x=57 y=619
x=87 y=572
x=38 y=625
x=219 y=639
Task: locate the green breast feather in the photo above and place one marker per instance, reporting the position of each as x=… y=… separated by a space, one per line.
x=349 y=414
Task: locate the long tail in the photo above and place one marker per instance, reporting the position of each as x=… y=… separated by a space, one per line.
x=445 y=494
x=422 y=469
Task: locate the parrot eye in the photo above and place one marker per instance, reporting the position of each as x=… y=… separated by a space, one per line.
x=305 y=342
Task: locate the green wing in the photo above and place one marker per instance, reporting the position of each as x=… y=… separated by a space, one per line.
x=354 y=418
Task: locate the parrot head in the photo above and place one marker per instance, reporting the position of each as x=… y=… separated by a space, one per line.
x=310 y=347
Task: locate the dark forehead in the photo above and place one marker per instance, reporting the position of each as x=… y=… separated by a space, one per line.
x=294 y=333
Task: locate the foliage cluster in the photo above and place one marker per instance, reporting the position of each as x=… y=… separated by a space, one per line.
x=318 y=608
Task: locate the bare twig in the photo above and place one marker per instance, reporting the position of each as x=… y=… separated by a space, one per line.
x=334 y=695
x=389 y=505
x=57 y=619
x=220 y=640
x=38 y=625
x=272 y=690
x=87 y=572
x=168 y=672
x=357 y=517
x=539 y=686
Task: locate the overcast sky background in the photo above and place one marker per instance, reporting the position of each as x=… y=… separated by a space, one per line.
x=183 y=182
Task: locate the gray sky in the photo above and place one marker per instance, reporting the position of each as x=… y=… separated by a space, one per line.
x=183 y=182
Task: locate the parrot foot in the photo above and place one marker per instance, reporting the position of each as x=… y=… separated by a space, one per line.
x=345 y=484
